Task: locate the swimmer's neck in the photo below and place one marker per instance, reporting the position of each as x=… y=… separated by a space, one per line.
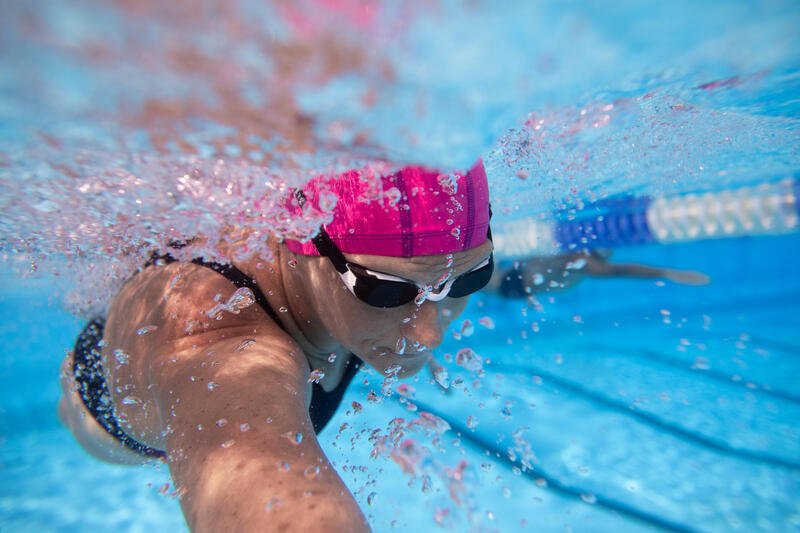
x=284 y=293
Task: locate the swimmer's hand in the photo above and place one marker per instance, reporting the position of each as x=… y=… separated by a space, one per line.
x=602 y=268
x=687 y=277
x=90 y=435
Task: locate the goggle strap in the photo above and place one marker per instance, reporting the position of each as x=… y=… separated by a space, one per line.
x=323 y=242
x=327 y=248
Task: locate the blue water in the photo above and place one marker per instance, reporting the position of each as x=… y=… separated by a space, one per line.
x=620 y=405
x=641 y=421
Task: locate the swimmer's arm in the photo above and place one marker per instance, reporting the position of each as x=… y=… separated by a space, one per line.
x=600 y=268
x=249 y=477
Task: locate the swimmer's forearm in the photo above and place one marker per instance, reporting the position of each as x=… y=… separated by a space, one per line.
x=634 y=270
x=234 y=450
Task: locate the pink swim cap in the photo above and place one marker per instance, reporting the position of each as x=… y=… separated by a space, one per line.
x=414 y=211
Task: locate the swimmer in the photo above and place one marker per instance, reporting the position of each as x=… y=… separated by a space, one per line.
x=227 y=372
x=563 y=271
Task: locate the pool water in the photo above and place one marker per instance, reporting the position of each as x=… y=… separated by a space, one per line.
x=619 y=405
x=636 y=406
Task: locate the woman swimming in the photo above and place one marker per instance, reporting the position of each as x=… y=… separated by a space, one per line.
x=563 y=271
x=229 y=371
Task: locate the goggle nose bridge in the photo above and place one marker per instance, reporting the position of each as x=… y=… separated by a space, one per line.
x=441 y=293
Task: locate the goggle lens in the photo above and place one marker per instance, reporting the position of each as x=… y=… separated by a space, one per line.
x=388 y=293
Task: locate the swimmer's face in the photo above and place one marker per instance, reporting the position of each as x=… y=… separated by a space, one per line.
x=377 y=335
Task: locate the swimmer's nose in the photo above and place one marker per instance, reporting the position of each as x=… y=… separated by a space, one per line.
x=427 y=328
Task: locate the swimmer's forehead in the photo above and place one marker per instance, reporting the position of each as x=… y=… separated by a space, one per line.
x=425 y=268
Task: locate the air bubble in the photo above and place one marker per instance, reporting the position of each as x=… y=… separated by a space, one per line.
x=442 y=377
x=121 y=357
x=393 y=195
x=221 y=422
x=212 y=385
x=228 y=443
x=577 y=264
x=327 y=201
x=293 y=437
x=443 y=279
x=273 y=502
x=427 y=484
x=400 y=346
x=469 y=360
x=242 y=298
x=131 y=400
x=145 y=330
x=245 y=344
x=448 y=183
x=311 y=472
x=420 y=298
x=244 y=427
x=315 y=376
x=440 y=515
x=406 y=390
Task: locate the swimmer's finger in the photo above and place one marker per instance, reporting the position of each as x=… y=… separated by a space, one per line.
x=688 y=277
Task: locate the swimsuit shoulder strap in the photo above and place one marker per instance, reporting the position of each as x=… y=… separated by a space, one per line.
x=232 y=274
x=242 y=280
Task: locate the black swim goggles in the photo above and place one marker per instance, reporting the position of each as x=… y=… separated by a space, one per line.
x=380 y=289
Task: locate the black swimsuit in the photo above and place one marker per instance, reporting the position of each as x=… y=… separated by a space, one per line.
x=94 y=391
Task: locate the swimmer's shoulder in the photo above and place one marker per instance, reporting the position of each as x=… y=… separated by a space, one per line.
x=183 y=302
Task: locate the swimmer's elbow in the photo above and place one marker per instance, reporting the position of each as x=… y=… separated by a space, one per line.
x=92 y=438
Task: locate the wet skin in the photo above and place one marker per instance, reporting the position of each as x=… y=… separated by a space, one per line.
x=192 y=383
